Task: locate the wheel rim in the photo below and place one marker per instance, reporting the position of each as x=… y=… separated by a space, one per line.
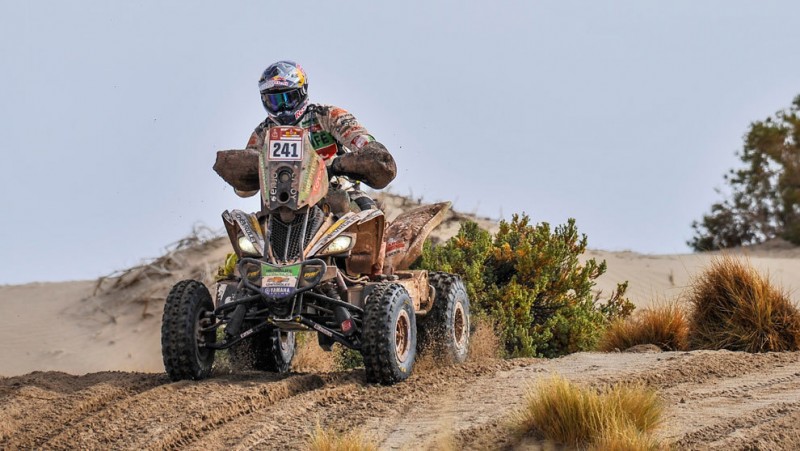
x=402 y=336
x=460 y=326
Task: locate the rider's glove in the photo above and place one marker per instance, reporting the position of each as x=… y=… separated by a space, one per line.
x=372 y=164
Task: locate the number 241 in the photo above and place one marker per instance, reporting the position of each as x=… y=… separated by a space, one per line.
x=284 y=150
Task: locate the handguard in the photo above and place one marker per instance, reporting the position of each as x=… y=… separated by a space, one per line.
x=239 y=168
x=372 y=164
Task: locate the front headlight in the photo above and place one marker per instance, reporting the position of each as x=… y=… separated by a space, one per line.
x=338 y=245
x=246 y=246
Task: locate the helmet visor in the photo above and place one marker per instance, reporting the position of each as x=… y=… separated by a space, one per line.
x=282 y=101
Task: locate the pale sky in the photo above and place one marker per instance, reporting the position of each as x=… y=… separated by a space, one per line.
x=623 y=115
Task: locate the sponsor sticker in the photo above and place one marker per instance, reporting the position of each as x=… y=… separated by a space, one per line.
x=394 y=247
x=301 y=111
x=361 y=141
x=253 y=142
x=311 y=274
x=323 y=330
x=273 y=82
x=279 y=281
x=338 y=112
x=328 y=152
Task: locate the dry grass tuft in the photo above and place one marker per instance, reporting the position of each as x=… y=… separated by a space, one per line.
x=627 y=439
x=485 y=343
x=736 y=308
x=309 y=357
x=328 y=440
x=578 y=416
x=665 y=325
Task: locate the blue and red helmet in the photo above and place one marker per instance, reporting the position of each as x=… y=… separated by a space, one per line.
x=284 y=92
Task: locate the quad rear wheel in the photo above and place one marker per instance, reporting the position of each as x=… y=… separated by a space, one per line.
x=445 y=329
x=182 y=340
x=389 y=339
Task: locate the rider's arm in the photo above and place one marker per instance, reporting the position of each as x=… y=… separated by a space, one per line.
x=368 y=161
x=255 y=142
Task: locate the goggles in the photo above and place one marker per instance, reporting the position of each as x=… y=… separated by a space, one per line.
x=283 y=101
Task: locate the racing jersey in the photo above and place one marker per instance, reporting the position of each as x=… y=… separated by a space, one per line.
x=330 y=129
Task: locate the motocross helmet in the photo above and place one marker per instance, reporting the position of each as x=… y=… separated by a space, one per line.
x=284 y=92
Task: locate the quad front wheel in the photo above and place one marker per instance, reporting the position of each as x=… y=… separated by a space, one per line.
x=389 y=339
x=182 y=337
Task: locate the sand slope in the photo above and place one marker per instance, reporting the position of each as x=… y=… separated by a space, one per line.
x=662 y=277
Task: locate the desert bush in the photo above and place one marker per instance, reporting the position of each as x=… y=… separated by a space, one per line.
x=567 y=413
x=664 y=325
x=528 y=279
x=736 y=308
x=330 y=440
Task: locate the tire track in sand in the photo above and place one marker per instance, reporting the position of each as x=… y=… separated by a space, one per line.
x=346 y=402
x=172 y=416
x=40 y=405
x=716 y=400
x=739 y=402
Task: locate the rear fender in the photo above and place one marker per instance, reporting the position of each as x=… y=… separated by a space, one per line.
x=407 y=233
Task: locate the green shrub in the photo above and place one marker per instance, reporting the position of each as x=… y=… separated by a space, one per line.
x=529 y=280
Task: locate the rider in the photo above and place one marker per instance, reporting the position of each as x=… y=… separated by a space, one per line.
x=345 y=145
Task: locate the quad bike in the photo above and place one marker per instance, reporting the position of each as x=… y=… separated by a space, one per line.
x=298 y=265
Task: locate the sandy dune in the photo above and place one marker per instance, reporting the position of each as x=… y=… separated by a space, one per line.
x=662 y=277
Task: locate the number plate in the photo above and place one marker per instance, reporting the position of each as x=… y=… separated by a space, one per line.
x=277 y=281
x=285 y=144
